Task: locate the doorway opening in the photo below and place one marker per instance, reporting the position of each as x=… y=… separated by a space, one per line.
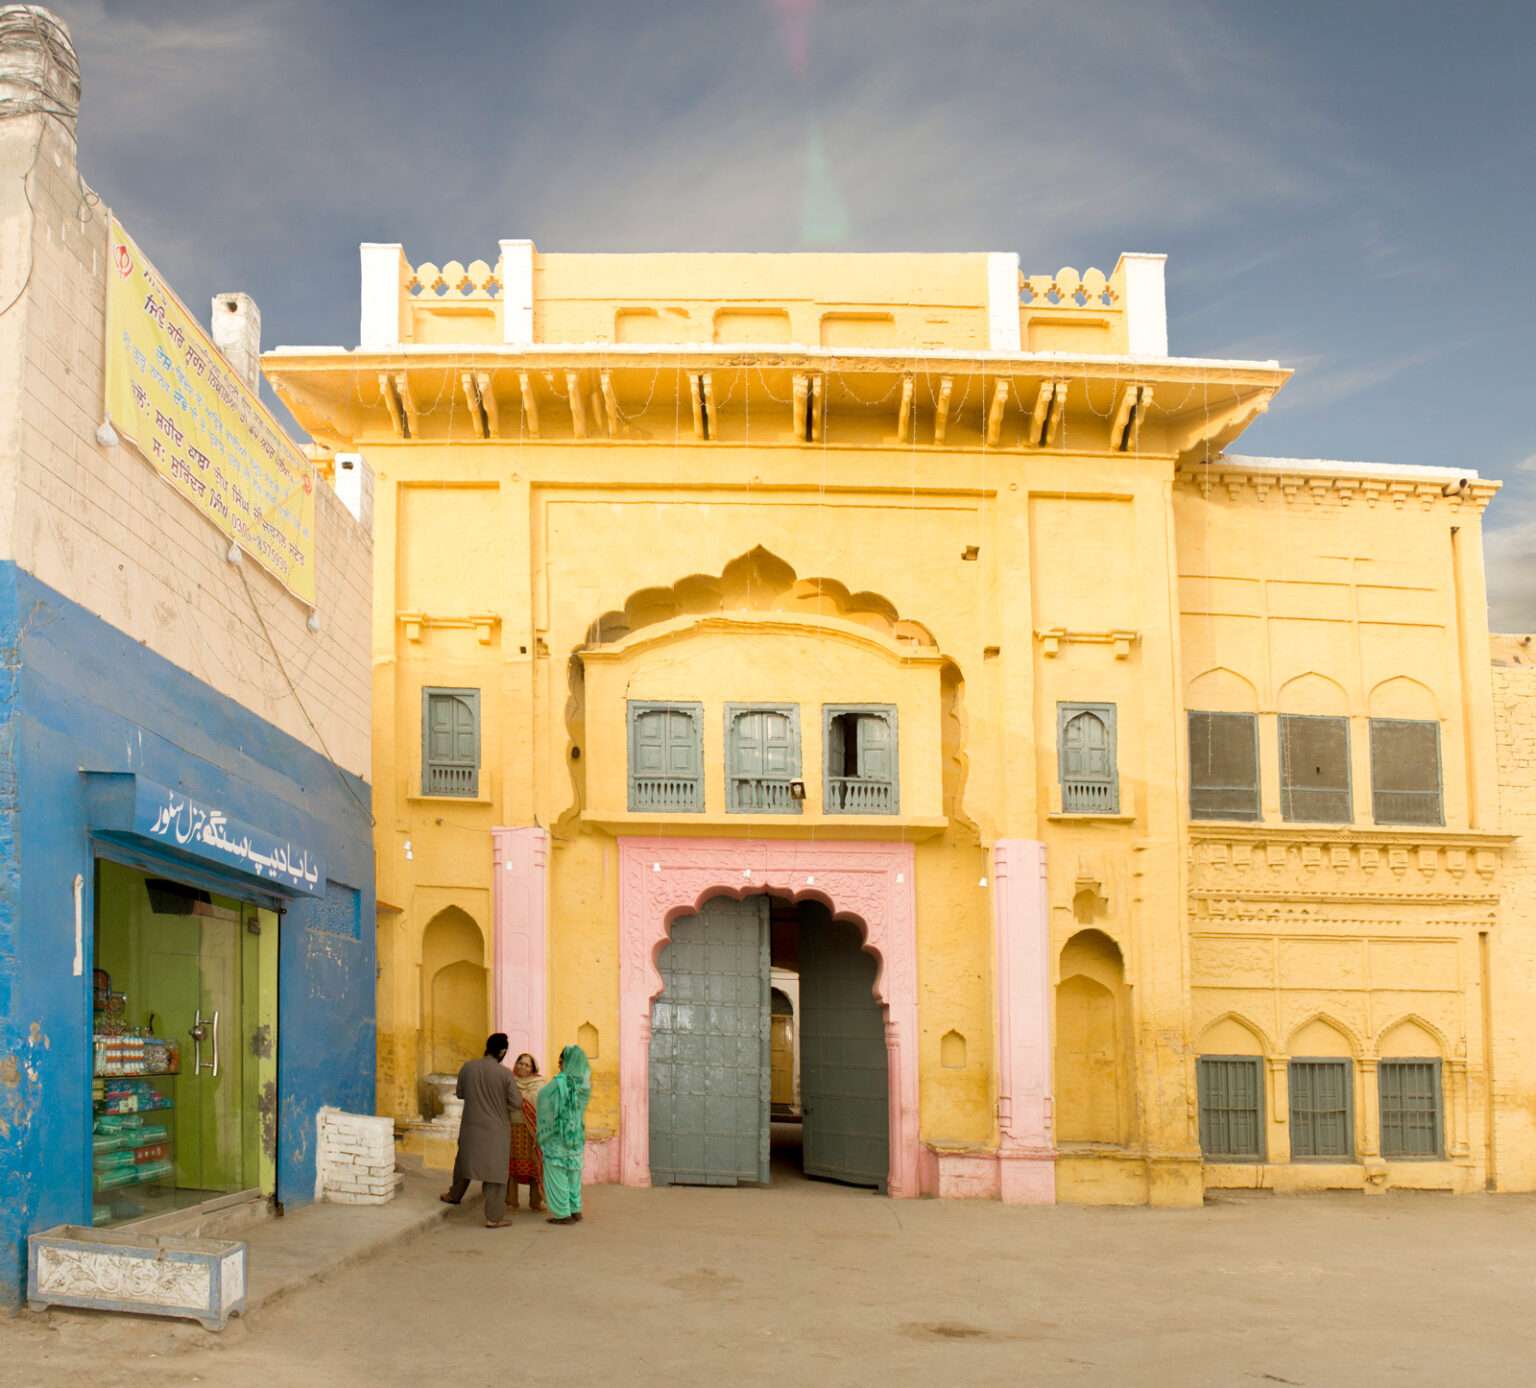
x=768 y=1055
x=184 y=1046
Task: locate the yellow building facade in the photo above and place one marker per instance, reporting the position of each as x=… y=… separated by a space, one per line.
x=1134 y=813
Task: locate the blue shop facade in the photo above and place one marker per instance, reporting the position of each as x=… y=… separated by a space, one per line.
x=187 y=950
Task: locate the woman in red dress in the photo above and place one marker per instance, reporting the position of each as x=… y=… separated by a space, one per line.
x=526 y=1166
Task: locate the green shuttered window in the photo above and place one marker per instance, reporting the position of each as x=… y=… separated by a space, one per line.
x=762 y=758
x=1411 y=1119
x=1314 y=769
x=1322 y=1115
x=666 y=756
x=1085 y=743
x=450 y=737
x=1223 y=765
x=1405 y=771
x=1231 y=1107
x=861 y=776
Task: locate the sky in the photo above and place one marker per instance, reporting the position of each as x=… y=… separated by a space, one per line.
x=1345 y=186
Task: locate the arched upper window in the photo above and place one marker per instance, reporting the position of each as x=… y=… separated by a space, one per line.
x=1086 y=744
x=666 y=756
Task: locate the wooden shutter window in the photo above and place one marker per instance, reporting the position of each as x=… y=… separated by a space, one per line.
x=1314 y=769
x=861 y=761
x=1223 y=765
x=666 y=758
x=1412 y=1121
x=1085 y=739
x=1405 y=771
x=1322 y=1110
x=762 y=752
x=1231 y=1107
x=450 y=753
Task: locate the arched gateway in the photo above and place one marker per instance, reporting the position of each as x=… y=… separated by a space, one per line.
x=869 y=884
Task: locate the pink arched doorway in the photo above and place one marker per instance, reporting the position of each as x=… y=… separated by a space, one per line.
x=661 y=879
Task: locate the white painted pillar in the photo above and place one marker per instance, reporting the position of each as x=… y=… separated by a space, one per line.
x=1146 y=304
x=384 y=270
x=517 y=293
x=1003 y=301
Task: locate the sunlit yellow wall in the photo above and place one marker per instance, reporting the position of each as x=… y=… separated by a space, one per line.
x=562 y=568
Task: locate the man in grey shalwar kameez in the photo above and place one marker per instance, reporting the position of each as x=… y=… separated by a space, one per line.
x=491 y=1097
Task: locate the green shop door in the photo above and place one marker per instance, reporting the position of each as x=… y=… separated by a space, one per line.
x=844 y=1092
x=200 y=970
x=709 y=1049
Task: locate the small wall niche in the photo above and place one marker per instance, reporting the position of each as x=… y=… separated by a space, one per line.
x=952 y=1050
x=587 y=1039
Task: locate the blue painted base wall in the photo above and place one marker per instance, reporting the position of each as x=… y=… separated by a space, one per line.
x=78 y=695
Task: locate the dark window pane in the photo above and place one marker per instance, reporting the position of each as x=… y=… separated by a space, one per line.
x=1314 y=768
x=1223 y=766
x=1405 y=772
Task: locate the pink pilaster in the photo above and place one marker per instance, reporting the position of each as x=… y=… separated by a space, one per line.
x=520 y=897
x=1027 y=1149
x=870 y=884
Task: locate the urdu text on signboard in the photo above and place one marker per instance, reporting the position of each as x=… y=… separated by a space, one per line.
x=173 y=396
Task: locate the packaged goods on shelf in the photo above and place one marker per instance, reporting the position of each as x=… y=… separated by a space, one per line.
x=101 y=1214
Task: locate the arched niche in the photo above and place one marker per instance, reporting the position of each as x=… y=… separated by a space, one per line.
x=454 y=1002
x=1410 y=1037
x=1402 y=697
x=1221 y=690
x=1094 y=1070
x=1232 y=1035
x=1323 y=1037
x=1313 y=694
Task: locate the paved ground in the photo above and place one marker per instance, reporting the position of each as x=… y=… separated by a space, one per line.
x=807 y=1284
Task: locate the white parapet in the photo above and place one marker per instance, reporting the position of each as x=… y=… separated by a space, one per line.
x=355 y=1158
x=1003 y=301
x=384 y=268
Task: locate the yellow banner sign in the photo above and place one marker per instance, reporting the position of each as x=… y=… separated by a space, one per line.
x=173 y=396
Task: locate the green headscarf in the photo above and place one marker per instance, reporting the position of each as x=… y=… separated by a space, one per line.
x=563 y=1103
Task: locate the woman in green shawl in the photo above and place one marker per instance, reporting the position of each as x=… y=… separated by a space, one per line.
x=562 y=1111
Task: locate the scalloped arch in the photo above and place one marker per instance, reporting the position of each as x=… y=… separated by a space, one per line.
x=757 y=581
x=1314 y=693
x=1222 y=690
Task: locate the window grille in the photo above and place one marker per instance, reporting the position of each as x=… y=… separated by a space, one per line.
x=1231 y=1107
x=762 y=752
x=1405 y=771
x=1411 y=1104
x=666 y=757
x=1322 y=1111
x=450 y=736
x=1314 y=769
x=1085 y=741
x=1223 y=766
x=861 y=769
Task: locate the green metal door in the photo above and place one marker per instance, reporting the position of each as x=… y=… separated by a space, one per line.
x=843 y=1064
x=709 y=1049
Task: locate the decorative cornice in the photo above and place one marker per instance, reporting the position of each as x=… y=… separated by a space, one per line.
x=1335 y=488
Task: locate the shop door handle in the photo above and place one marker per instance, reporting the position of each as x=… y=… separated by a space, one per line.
x=199 y=1033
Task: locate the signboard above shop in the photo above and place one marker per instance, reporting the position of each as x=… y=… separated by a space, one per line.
x=171 y=394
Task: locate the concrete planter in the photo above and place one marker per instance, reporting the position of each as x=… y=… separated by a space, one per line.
x=118 y=1270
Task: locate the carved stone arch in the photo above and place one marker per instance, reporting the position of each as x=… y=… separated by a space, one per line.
x=1221 y=690
x=1313 y=693
x=1415 y=1022
x=757 y=581
x=1297 y=1042
x=1401 y=696
x=1216 y=1036
x=870 y=884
